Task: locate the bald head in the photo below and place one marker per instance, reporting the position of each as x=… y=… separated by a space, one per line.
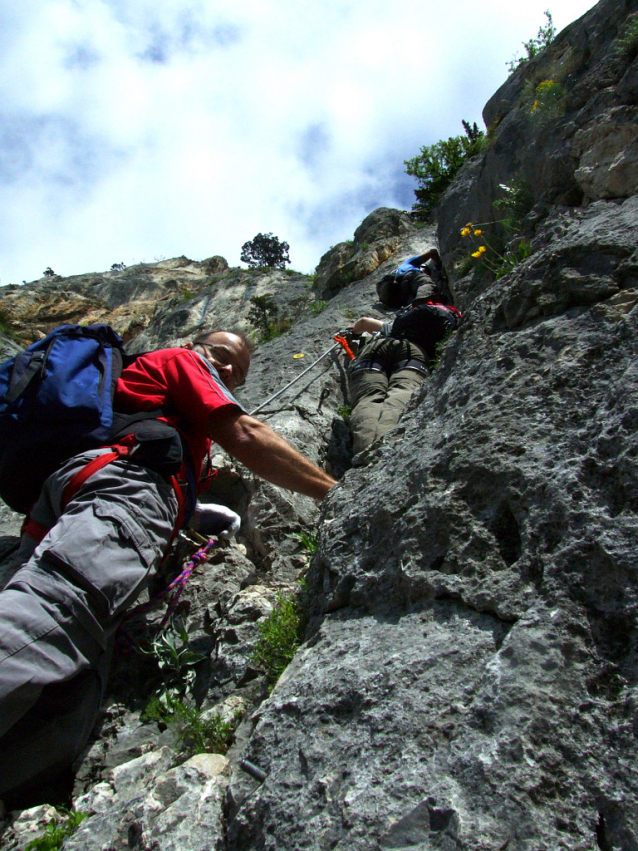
x=228 y=352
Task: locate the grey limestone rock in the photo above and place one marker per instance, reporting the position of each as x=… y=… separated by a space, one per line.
x=583 y=150
x=149 y=804
x=375 y=240
x=468 y=677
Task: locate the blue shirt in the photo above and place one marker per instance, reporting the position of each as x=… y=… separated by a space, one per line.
x=408 y=266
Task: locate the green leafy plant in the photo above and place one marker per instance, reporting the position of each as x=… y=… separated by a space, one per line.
x=175 y=661
x=437 y=165
x=264 y=315
x=57 y=831
x=439 y=348
x=318 y=306
x=265 y=250
x=5 y=324
x=309 y=540
x=499 y=263
x=548 y=100
x=545 y=36
x=627 y=44
x=345 y=277
x=515 y=203
x=186 y=295
x=195 y=732
x=279 y=637
x=344 y=411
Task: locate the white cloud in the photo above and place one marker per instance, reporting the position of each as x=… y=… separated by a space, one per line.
x=132 y=129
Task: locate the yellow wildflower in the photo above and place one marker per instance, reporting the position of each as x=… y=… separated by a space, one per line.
x=465 y=232
x=478 y=232
x=479 y=252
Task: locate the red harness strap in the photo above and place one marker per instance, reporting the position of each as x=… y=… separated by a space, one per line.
x=123 y=449
x=33 y=529
x=120 y=450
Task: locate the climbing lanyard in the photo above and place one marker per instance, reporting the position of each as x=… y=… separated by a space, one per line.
x=343 y=341
x=171 y=595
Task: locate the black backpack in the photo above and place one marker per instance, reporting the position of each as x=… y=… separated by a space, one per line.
x=426 y=325
x=399 y=290
x=394 y=291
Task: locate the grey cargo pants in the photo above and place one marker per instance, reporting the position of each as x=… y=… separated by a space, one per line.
x=61 y=609
x=381 y=385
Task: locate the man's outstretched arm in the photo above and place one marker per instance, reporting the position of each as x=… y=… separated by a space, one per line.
x=266 y=453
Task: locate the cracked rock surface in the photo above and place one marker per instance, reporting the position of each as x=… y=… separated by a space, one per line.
x=468 y=677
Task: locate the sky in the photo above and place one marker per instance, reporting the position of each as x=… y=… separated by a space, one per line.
x=138 y=130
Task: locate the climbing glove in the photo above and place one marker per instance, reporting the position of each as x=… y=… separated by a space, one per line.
x=211 y=520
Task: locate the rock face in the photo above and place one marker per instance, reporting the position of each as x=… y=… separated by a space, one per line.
x=375 y=240
x=469 y=674
x=152 y=305
x=573 y=145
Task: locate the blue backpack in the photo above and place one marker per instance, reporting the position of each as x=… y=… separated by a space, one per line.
x=55 y=401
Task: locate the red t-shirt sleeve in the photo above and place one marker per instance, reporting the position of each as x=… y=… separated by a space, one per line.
x=175 y=379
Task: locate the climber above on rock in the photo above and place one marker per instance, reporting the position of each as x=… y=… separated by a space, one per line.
x=421 y=276
x=97 y=533
x=388 y=370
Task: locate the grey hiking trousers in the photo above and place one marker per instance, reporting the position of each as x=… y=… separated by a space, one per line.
x=60 y=611
x=382 y=378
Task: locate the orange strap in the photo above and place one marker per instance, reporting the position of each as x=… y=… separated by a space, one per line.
x=341 y=339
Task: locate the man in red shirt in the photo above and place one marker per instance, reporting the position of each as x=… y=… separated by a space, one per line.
x=60 y=611
x=180 y=377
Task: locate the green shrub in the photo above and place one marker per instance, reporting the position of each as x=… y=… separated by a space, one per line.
x=491 y=257
x=544 y=37
x=344 y=411
x=264 y=315
x=175 y=662
x=439 y=348
x=5 y=324
x=57 y=831
x=548 y=100
x=437 y=165
x=627 y=44
x=516 y=202
x=195 y=733
x=280 y=635
x=318 y=306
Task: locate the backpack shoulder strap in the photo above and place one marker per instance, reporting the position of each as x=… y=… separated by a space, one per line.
x=20 y=379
